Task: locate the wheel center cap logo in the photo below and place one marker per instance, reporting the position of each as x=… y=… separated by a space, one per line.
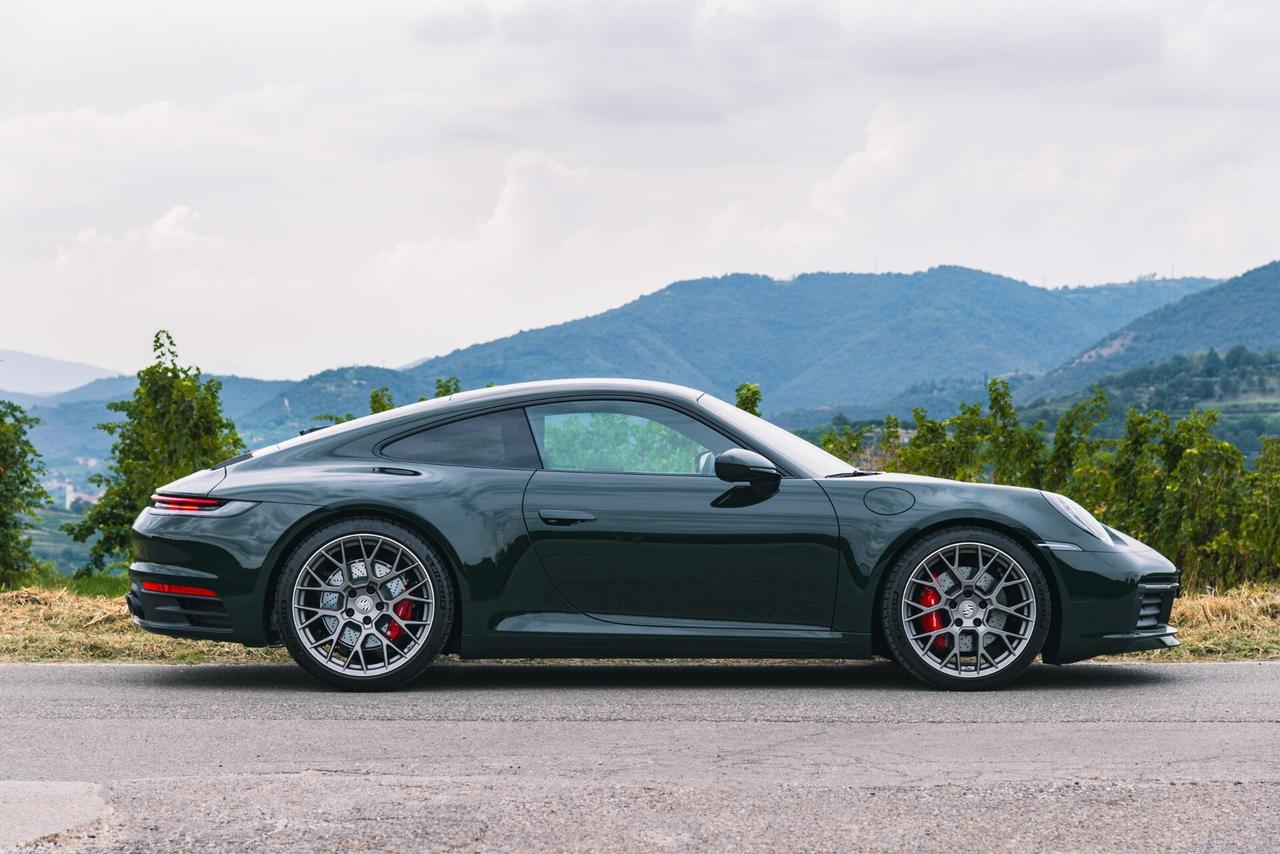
x=968 y=609
x=364 y=604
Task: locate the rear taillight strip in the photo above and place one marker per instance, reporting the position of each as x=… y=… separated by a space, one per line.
x=184 y=503
x=176 y=589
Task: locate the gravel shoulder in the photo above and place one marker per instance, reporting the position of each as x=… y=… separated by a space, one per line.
x=540 y=757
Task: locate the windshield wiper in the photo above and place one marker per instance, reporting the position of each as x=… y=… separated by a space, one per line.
x=855 y=473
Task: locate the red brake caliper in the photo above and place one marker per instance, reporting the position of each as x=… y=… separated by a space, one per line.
x=404 y=610
x=931 y=622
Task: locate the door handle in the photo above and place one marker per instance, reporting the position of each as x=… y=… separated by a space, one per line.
x=565 y=517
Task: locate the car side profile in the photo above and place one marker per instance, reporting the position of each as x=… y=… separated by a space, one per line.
x=601 y=518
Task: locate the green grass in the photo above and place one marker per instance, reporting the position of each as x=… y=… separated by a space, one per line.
x=109 y=586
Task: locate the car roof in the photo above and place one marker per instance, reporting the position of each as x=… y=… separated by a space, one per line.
x=575 y=386
x=480 y=398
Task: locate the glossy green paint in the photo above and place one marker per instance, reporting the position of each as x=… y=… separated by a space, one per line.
x=668 y=565
x=686 y=549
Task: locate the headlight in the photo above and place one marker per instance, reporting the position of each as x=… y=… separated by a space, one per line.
x=1078 y=516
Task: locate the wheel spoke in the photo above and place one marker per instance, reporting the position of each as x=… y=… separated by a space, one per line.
x=929 y=636
x=333 y=637
x=318 y=616
x=983 y=654
x=1006 y=635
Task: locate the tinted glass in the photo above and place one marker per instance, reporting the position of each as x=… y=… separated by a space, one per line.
x=624 y=436
x=497 y=440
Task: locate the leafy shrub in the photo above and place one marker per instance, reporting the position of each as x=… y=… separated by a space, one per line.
x=1168 y=482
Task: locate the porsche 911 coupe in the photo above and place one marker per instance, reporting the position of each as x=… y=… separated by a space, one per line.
x=620 y=518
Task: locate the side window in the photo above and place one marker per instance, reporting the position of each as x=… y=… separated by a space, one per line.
x=623 y=436
x=496 y=440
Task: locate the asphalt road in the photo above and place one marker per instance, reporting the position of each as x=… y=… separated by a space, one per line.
x=530 y=757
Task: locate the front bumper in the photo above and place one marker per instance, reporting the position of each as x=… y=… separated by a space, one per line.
x=1111 y=603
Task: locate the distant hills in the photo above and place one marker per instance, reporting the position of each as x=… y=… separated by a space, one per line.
x=1242 y=385
x=1240 y=311
x=25 y=374
x=807 y=341
x=820 y=337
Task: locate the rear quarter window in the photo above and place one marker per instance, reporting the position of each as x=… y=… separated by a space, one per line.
x=494 y=440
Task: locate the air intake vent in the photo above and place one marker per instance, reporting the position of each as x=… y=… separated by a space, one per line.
x=1155 y=601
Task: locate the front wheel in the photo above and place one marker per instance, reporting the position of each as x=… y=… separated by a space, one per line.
x=966 y=608
x=364 y=604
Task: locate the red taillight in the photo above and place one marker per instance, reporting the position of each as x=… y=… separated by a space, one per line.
x=176 y=589
x=185 y=503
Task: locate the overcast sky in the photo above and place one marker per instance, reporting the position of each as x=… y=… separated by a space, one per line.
x=294 y=186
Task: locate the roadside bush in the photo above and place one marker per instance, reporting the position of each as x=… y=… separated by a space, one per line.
x=1168 y=482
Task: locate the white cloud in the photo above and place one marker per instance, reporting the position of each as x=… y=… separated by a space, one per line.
x=470 y=169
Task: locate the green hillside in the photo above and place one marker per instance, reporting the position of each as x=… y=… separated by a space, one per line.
x=820 y=337
x=1242 y=385
x=942 y=396
x=1241 y=311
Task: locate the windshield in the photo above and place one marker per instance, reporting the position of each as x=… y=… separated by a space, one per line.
x=815 y=461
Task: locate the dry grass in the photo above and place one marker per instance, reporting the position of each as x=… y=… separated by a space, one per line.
x=39 y=624
x=1239 y=624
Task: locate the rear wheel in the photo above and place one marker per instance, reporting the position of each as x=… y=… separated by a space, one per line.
x=966 y=608
x=364 y=604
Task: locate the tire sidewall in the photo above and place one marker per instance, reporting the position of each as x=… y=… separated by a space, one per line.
x=900 y=646
x=435 y=567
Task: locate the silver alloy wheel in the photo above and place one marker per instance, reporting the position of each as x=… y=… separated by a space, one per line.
x=363 y=605
x=969 y=610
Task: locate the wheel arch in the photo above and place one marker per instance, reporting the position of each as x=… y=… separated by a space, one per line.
x=1019 y=536
x=327 y=515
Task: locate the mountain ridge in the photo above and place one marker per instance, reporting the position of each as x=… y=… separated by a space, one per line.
x=806 y=340
x=1243 y=310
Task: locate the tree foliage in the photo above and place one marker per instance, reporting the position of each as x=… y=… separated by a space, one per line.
x=446 y=386
x=172 y=426
x=747 y=398
x=380 y=400
x=20 y=492
x=1169 y=482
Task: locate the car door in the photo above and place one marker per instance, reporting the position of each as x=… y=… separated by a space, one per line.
x=632 y=525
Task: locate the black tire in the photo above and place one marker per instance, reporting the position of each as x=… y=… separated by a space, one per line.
x=420 y=656
x=914 y=656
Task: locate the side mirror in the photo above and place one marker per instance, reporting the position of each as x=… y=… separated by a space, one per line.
x=738 y=465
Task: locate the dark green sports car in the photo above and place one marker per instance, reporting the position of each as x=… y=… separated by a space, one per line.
x=619 y=518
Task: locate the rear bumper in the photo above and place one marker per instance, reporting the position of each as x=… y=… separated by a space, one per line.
x=234 y=558
x=179 y=614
